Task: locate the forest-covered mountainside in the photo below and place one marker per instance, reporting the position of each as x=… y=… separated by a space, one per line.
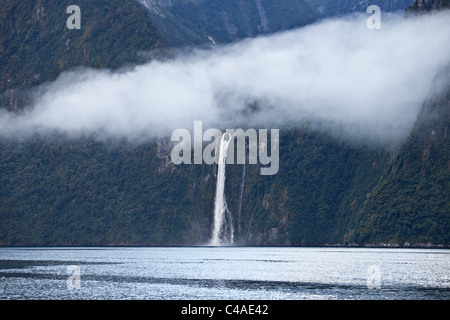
x=78 y=191
x=36 y=46
x=200 y=22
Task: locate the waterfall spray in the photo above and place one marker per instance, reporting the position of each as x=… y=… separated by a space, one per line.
x=223 y=231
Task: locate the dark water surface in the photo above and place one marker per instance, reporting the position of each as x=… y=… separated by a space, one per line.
x=209 y=273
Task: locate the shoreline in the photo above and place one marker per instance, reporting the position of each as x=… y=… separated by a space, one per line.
x=326 y=245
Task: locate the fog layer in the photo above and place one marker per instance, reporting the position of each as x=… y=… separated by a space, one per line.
x=337 y=74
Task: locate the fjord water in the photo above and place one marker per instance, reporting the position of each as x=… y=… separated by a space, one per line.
x=209 y=273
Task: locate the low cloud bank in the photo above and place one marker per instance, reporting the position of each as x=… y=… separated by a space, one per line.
x=337 y=74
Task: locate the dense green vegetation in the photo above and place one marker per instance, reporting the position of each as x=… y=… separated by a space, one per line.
x=61 y=191
x=427 y=5
x=412 y=201
x=79 y=192
x=87 y=193
x=84 y=192
x=36 y=46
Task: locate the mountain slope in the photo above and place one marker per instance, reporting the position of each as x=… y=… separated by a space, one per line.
x=36 y=46
x=214 y=21
x=412 y=201
x=60 y=191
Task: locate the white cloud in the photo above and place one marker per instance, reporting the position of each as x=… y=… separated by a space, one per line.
x=336 y=73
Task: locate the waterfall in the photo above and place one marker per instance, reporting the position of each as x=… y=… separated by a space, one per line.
x=223 y=232
x=241 y=195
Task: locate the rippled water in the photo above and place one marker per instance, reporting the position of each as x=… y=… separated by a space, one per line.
x=207 y=273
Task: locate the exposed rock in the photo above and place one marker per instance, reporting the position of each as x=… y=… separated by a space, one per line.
x=163 y=151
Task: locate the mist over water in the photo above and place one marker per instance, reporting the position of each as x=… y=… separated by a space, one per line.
x=337 y=74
